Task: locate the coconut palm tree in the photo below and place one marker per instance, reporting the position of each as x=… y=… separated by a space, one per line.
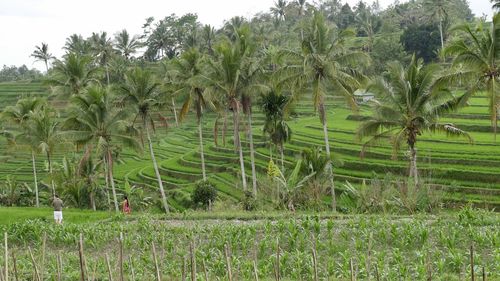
x=324 y=64
x=125 y=44
x=188 y=71
x=475 y=61
x=41 y=53
x=77 y=45
x=43 y=132
x=496 y=4
x=409 y=103
x=231 y=75
x=208 y=36
x=140 y=92
x=274 y=106
x=302 y=4
x=437 y=10
x=94 y=121
x=279 y=10
x=102 y=48
x=72 y=74
x=19 y=115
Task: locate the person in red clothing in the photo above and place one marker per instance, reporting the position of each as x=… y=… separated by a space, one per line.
x=126 y=206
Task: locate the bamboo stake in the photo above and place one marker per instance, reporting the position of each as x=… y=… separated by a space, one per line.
x=14 y=264
x=472 y=263
x=193 y=261
x=157 y=269
x=228 y=262
x=121 y=256
x=278 y=259
x=255 y=272
x=108 y=265
x=59 y=266
x=131 y=268
x=37 y=276
x=484 y=274
x=6 y=247
x=42 y=266
x=205 y=270
x=81 y=255
x=352 y=270
x=184 y=269
x=376 y=272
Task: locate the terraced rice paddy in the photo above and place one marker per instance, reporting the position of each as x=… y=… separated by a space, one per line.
x=468 y=172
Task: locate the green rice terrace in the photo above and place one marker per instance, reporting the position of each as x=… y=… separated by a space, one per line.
x=465 y=172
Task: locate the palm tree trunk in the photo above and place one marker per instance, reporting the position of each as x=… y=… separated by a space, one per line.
x=50 y=174
x=252 y=154
x=157 y=172
x=282 y=158
x=200 y=134
x=46 y=67
x=111 y=179
x=237 y=143
x=92 y=201
x=441 y=33
x=35 y=178
x=106 y=180
x=175 y=113
x=327 y=149
x=224 y=129
x=413 y=164
x=107 y=74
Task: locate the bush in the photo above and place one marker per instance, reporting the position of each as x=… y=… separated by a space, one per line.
x=204 y=194
x=249 y=202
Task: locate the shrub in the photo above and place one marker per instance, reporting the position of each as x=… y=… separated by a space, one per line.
x=204 y=194
x=249 y=202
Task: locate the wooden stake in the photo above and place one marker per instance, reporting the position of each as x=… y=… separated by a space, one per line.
x=255 y=272
x=6 y=247
x=131 y=268
x=14 y=264
x=157 y=269
x=37 y=276
x=377 y=275
x=193 y=261
x=82 y=261
x=121 y=256
x=228 y=262
x=472 y=263
x=42 y=266
x=278 y=275
x=59 y=266
x=205 y=270
x=352 y=270
x=484 y=274
x=108 y=265
x=184 y=269
x=94 y=272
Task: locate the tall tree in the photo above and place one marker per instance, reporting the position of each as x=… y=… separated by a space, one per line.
x=125 y=44
x=409 y=102
x=140 y=92
x=324 y=63
x=437 y=9
x=78 y=45
x=476 y=57
x=41 y=53
x=72 y=74
x=188 y=72
x=19 y=115
x=279 y=10
x=94 y=121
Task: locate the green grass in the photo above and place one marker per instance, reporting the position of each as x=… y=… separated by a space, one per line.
x=19 y=214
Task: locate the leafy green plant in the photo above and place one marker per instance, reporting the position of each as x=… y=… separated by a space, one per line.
x=204 y=194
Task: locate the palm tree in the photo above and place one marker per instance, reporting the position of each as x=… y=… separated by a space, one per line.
x=409 y=103
x=72 y=74
x=20 y=115
x=140 y=91
x=476 y=61
x=125 y=44
x=496 y=4
x=324 y=63
x=77 y=45
x=232 y=75
x=42 y=54
x=102 y=49
x=43 y=132
x=279 y=10
x=274 y=106
x=437 y=10
x=188 y=71
x=301 y=3
x=208 y=36
x=93 y=121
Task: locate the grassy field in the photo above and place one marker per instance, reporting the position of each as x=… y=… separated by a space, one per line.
x=466 y=172
x=76 y=216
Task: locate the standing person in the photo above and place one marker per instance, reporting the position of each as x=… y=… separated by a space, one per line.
x=126 y=206
x=58 y=204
